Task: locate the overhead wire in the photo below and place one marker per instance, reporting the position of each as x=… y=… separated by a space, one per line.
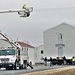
x=53 y=9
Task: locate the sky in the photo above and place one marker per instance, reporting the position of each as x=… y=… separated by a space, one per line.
x=46 y=14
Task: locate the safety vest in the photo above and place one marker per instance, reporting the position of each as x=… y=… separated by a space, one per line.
x=24 y=6
x=73 y=59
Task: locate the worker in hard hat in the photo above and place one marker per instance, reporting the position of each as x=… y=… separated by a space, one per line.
x=24 y=6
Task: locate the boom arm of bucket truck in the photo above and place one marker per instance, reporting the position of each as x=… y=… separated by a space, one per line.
x=6 y=39
x=11 y=43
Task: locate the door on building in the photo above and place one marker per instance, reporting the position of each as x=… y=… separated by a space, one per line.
x=60 y=51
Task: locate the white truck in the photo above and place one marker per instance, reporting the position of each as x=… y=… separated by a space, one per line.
x=13 y=57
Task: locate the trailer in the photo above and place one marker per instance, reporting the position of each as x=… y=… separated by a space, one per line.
x=60 y=61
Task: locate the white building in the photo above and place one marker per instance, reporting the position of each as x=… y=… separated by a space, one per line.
x=59 y=41
x=39 y=54
x=30 y=50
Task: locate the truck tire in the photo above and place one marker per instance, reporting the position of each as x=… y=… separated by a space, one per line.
x=25 y=67
x=0 y=67
x=25 y=64
x=15 y=67
x=21 y=67
x=7 y=68
x=11 y=68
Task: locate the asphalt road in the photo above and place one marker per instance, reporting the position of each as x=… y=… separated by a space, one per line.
x=36 y=68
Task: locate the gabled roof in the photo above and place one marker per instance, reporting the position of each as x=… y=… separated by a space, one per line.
x=64 y=23
x=22 y=44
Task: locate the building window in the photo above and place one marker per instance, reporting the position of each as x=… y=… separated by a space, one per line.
x=60 y=36
x=22 y=48
x=41 y=51
x=27 y=49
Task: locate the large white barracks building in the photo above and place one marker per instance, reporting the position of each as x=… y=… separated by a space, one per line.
x=59 y=41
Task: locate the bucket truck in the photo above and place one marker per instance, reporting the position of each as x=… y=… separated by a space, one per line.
x=13 y=57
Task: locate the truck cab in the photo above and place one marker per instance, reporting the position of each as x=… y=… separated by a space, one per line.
x=11 y=58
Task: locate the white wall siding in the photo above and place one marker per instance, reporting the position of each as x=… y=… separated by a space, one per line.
x=38 y=54
x=49 y=45
x=31 y=55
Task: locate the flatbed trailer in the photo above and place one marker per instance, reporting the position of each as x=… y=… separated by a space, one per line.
x=58 y=61
x=61 y=62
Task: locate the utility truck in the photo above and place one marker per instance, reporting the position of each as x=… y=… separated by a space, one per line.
x=13 y=57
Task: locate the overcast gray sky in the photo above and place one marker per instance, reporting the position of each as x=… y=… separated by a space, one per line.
x=46 y=14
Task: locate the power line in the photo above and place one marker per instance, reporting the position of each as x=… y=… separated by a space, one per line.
x=60 y=8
